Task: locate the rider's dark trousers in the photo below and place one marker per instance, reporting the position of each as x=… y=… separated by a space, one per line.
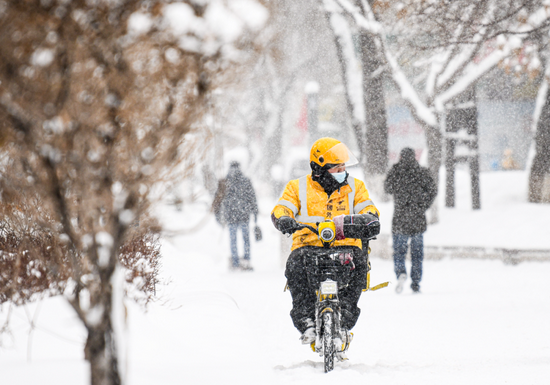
x=400 y=246
x=303 y=295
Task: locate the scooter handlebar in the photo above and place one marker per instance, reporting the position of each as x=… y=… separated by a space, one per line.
x=310 y=228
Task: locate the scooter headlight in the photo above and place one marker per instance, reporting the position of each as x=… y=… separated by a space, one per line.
x=329 y=287
x=327 y=231
x=327 y=235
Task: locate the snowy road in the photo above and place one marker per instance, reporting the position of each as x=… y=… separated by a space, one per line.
x=476 y=322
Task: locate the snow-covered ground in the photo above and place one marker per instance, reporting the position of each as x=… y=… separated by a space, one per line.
x=476 y=321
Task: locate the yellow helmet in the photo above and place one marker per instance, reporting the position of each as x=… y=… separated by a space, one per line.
x=331 y=151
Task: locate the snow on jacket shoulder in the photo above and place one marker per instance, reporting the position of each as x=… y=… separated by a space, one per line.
x=306 y=201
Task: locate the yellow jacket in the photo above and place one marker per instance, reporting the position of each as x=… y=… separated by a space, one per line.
x=318 y=206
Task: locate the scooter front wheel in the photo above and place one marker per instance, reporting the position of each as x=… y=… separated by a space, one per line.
x=328 y=340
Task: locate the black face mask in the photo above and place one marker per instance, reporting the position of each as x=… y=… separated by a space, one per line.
x=322 y=176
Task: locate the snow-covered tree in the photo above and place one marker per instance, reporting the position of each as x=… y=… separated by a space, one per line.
x=436 y=50
x=101 y=104
x=540 y=167
x=532 y=60
x=261 y=111
x=361 y=67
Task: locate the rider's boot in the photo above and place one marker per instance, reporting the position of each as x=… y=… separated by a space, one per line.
x=308 y=337
x=342 y=344
x=400 y=282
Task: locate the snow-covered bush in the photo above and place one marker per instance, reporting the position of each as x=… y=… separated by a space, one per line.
x=97 y=98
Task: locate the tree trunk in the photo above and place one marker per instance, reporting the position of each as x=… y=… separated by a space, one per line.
x=541 y=163
x=274 y=142
x=101 y=353
x=376 y=146
x=357 y=125
x=434 y=140
x=101 y=345
x=375 y=107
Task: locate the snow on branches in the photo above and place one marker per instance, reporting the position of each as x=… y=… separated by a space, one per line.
x=97 y=99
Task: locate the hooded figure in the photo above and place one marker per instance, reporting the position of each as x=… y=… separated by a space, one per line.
x=240 y=199
x=234 y=201
x=414 y=191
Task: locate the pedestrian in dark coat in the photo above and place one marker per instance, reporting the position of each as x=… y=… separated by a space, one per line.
x=414 y=191
x=234 y=202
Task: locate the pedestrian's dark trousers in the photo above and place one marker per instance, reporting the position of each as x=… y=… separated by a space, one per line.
x=233 y=227
x=303 y=295
x=400 y=246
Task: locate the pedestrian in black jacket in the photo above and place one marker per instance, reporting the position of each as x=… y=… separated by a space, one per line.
x=414 y=191
x=234 y=201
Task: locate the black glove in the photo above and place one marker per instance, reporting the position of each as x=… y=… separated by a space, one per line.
x=287 y=225
x=362 y=226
